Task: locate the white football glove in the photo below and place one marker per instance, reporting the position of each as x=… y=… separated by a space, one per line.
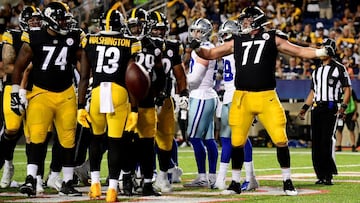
x=23 y=99
x=183 y=102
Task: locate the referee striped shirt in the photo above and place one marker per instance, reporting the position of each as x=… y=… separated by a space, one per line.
x=328 y=81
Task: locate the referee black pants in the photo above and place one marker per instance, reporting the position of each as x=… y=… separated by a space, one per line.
x=323 y=121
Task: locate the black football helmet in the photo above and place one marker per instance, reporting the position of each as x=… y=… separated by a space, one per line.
x=256 y=16
x=57 y=17
x=28 y=13
x=137 y=22
x=113 y=21
x=227 y=29
x=158 y=21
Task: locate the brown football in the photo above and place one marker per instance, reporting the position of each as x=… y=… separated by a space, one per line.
x=137 y=80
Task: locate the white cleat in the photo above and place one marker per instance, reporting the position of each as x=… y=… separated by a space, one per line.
x=176 y=173
x=54 y=182
x=162 y=183
x=220 y=184
x=8 y=174
x=39 y=185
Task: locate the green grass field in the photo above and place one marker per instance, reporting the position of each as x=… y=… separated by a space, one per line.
x=345 y=189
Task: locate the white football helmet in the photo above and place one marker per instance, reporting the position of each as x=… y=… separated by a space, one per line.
x=203 y=26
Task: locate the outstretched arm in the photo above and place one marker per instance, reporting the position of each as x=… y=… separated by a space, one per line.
x=289 y=48
x=216 y=52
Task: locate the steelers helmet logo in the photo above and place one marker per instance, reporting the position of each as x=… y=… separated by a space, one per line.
x=69 y=41
x=170 y=53
x=266 y=36
x=48 y=11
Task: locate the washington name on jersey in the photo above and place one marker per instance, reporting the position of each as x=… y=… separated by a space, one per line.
x=109 y=55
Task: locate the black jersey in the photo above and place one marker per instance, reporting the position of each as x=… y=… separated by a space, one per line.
x=335 y=76
x=53 y=58
x=109 y=55
x=170 y=58
x=148 y=57
x=13 y=38
x=255 y=60
x=151 y=52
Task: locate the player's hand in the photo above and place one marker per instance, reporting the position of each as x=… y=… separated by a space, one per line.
x=131 y=121
x=195 y=43
x=301 y=114
x=330 y=50
x=83 y=118
x=159 y=100
x=183 y=102
x=16 y=105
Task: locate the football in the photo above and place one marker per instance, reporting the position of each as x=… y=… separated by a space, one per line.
x=137 y=80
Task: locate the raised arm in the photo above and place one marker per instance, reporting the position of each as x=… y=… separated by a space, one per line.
x=216 y=52
x=289 y=48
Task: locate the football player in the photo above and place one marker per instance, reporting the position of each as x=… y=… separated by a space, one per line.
x=150 y=58
x=166 y=119
x=106 y=61
x=255 y=52
x=52 y=50
x=30 y=18
x=203 y=103
x=225 y=33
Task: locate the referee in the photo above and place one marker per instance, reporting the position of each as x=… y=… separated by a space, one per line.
x=328 y=81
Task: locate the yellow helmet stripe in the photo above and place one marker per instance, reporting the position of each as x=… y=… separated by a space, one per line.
x=133 y=13
x=107 y=20
x=158 y=17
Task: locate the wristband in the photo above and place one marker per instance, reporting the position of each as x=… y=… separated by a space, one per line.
x=305 y=107
x=321 y=52
x=81 y=106
x=134 y=109
x=344 y=106
x=15 y=88
x=184 y=92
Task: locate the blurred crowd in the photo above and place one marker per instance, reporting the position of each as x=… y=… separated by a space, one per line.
x=306 y=22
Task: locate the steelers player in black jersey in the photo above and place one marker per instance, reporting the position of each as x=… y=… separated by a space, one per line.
x=29 y=19
x=255 y=51
x=150 y=58
x=52 y=50
x=172 y=63
x=107 y=55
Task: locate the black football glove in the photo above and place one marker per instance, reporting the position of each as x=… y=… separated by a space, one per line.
x=330 y=51
x=159 y=100
x=195 y=43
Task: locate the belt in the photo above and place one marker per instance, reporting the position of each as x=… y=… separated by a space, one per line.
x=327 y=104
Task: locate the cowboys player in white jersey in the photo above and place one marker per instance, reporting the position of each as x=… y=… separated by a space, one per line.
x=203 y=101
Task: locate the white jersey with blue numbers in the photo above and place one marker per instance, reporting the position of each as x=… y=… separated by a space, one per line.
x=228 y=77
x=201 y=78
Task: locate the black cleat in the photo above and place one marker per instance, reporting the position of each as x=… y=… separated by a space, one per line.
x=148 y=190
x=289 y=188
x=127 y=184
x=320 y=182
x=67 y=189
x=234 y=188
x=29 y=187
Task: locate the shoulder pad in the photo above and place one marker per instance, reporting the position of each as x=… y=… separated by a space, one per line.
x=7 y=38
x=281 y=34
x=25 y=37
